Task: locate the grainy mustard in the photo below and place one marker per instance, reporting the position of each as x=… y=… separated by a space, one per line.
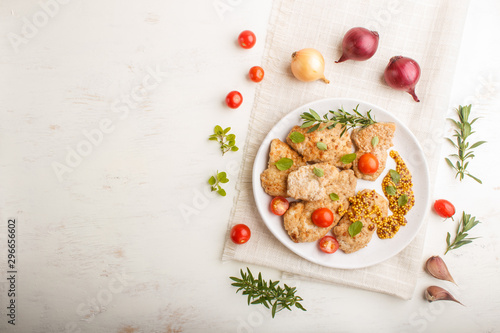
x=389 y=226
x=361 y=207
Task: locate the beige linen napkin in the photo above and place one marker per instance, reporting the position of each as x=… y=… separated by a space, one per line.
x=428 y=31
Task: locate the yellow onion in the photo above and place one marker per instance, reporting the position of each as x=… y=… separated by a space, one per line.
x=308 y=65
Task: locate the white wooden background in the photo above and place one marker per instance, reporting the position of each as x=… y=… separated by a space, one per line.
x=124 y=237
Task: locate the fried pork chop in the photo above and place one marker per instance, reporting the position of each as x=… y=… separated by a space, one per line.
x=350 y=244
x=273 y=180
x=297 y=219
x=362 y=139
x=305 y=185
x=336 y=146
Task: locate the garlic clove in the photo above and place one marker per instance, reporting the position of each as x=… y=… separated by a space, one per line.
x=436 y=267
x=435 y=293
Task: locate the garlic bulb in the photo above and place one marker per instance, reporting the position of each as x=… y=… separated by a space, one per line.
x=308 y=65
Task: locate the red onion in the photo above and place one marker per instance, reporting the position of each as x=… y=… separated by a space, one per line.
x=402 y=74
x=359 y=44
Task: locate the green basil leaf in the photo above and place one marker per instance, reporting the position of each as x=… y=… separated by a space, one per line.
x=375 y=141
x=391 y=190
x=355 y=228
x=395 y=176
x=297 y=137
x=318 y=172
x=234 y=148
x=221 y=176
x=211 y=181
x=403 y=200
x=284 y=163
x=321 y=146
x=348 y=158
x=218 y=130
x=334 y=196
x=222 y=192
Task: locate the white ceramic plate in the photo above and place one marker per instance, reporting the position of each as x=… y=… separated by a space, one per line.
x=377 y=250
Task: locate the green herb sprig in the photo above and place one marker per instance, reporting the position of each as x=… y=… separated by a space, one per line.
x=334 y=196
x=346 y=119
x=227 y=141
x=348 y=158
x=355 y=228
x=270 y=295
x=215 y=181
x=284 y=163
x=318 y=172
x=466 y=223
x=462 y=132
x=403 y=200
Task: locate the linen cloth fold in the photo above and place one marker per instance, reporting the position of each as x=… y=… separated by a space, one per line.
x=428 y=31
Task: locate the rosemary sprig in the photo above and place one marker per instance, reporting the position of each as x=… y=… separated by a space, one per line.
x=462 y=132
x=272 y=295
x=227 y=141
x=466 y=224
x=346 y=119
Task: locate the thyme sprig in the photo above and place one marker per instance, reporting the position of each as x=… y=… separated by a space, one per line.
x=346 y=119
x=462 y=132
x=270 y=295
x=466 y=223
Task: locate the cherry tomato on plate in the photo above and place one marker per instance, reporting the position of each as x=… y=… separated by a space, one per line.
x=279 y=206
x=328 y=244
x=247 y=39
x=234 y=99
x=444 y=208
x=368 y=164
x=240 y=234
x=256 y=73
x=322 y=217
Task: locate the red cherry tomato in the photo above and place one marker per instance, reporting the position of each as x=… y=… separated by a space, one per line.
x=247 y=39
x=234 y=99
x=256 y=74
x=368 y=164
x=322 y=217
x=444 y=208
x=279 y=205
x=240 y=234
x=328 y=244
